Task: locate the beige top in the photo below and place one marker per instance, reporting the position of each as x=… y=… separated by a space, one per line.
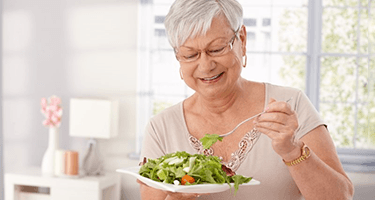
x=167 y=133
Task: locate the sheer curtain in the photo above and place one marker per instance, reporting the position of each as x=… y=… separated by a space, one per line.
x=1 y=112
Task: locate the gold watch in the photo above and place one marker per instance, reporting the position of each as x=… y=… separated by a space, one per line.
x=305 y=154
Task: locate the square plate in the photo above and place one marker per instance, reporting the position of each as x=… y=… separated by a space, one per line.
x=200 y=188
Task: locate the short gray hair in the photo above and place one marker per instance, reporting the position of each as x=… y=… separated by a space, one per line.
x=188 y=18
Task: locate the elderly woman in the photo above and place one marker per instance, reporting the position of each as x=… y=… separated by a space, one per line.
x=288 y=148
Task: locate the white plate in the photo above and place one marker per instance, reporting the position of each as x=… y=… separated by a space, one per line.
x=201 y=188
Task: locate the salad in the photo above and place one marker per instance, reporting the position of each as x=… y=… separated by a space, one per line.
x=182 y=168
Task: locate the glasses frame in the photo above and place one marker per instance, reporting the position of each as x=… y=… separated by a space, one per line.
x=230 y=44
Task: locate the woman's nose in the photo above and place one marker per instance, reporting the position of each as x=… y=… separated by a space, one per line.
x=206 y=63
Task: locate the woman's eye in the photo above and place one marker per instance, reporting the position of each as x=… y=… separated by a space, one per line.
x=190 y=56
x=216 y=50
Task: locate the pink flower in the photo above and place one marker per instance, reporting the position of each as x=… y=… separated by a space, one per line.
x=55 y=119
x=52 y=110
x=43 y=103
x=49 y=113
x=46 y=122
x=54 y=100
x=59 y=112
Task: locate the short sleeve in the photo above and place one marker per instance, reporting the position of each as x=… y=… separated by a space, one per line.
x=151 y=147
x=308 y=116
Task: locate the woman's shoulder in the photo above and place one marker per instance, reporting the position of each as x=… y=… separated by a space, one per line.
x=271 y=88
x=282 y=93
x=173 y=112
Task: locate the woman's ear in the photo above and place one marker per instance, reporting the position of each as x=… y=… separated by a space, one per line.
x=243 y=38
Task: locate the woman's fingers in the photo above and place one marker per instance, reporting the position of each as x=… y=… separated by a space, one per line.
x=176 y=195
x=279 y=106
x=185 y=196
x=278 y=117
x=272 y=127
x=140 y=182
x=275 y=117
x=279 y=123
x=283 y=133
x=274 y=124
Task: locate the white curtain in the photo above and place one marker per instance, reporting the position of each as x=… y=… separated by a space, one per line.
x=1 y=112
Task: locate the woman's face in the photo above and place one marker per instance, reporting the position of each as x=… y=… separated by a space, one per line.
x=214 y=76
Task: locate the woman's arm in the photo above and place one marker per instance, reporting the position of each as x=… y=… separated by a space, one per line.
x=321 y=176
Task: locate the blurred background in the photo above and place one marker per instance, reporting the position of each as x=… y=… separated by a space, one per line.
x=118 y=49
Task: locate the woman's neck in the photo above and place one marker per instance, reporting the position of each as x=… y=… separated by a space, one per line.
x=227 y=102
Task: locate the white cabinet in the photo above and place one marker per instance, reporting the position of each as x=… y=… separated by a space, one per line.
x=29 y=184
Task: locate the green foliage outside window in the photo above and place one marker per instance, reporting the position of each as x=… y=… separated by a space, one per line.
x=347 y=87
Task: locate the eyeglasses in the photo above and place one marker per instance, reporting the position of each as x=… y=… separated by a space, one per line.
x=216 y=50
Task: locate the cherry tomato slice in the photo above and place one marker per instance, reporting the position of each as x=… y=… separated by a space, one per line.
x=186 y=179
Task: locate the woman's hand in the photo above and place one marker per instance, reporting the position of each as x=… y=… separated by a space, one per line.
x=178 y=195
x=161 y=194
x=280 y=123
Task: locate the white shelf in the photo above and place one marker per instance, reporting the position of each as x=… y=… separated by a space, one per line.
x=87 y=187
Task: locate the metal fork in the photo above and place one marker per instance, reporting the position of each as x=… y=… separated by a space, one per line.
x=246 y=120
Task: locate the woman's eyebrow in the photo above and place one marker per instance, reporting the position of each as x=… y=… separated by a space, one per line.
x=208 y=44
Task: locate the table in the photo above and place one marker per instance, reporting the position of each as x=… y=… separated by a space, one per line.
x=30 y=184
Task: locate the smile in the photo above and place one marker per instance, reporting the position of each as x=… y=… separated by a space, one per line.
x=213 y=78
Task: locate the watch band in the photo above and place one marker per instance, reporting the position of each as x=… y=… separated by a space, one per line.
x=305 y=154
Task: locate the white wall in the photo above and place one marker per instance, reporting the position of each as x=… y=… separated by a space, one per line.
x=68 y=48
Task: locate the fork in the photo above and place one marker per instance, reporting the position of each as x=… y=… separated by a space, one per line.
x=246 y=120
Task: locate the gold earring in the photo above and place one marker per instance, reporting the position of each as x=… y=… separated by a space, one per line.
x=244 y=61
x=181 y=76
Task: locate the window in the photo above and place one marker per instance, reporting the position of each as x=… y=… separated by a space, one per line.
x=266 y=22
x=249 y=22
x=324 y=47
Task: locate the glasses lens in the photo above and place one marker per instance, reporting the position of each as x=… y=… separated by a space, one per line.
x=217 y=49
x=187 y=55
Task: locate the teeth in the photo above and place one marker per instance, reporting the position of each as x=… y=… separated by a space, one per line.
x=212 y=78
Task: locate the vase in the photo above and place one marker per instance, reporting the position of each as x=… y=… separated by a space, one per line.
x=48 y=162
x=92 y=163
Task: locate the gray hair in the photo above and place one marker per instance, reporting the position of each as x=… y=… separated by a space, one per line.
x=188 y=18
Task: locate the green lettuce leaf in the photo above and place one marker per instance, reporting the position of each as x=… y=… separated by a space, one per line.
x=238 y=180
x=209 y=139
